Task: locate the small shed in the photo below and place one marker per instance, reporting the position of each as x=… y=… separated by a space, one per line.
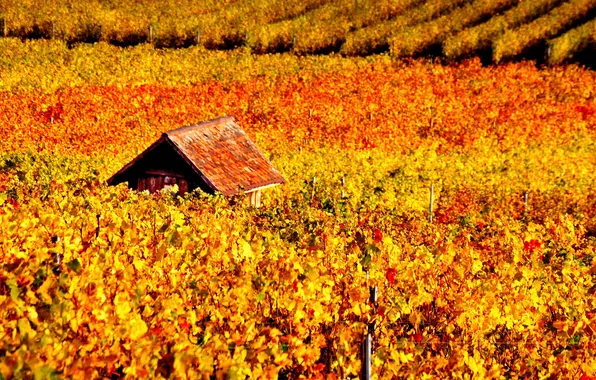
x=215 y=156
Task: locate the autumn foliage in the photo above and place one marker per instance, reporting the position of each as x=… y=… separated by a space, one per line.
x=496 y=30
x=100 y=281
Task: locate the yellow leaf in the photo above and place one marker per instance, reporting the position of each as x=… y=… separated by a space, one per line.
x=477 y=266
x=405 y=358
x=122 y=305
x=138 y=328
x=25 y=328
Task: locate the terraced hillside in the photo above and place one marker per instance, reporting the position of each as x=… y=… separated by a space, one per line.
x=550 y=31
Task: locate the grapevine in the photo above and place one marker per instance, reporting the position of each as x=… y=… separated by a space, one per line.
x=99 y=281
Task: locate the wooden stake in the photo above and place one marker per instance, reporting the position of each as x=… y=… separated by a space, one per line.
x=4 y=27
x=343 y=184
x=526 y=201
x=198 y=38
x=430 y=206
x=52 y=29
x=150 y=34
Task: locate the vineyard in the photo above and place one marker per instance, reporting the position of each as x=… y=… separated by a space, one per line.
x=548 y=31
x=104 y=282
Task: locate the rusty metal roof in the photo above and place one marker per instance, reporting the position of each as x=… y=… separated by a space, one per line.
x=222 y=154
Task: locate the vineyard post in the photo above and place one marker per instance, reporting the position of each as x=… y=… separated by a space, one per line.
x=52 y=29
x=198 y=37
x=98 y=216
x=150 y=34
x=367 y=346
x=366 y=360
x=430 y=206
x=526 y=202
x=3 y=27
x=343 y=183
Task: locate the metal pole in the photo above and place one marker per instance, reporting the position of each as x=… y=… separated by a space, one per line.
x=430 y=207
x=367 y=357
x=526 y=201
x=374 y=294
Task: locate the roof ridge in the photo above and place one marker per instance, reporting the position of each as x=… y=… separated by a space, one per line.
x=208 y=123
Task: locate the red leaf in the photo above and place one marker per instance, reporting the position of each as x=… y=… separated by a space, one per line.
x=183 y=323
x=390 y=275
x=377 y=236
x=531 y=246
x=142 y=372
x=156 y=331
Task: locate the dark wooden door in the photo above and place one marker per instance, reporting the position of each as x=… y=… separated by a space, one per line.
x=155 y=183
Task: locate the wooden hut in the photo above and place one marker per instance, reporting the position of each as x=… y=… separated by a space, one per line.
x=215 y=156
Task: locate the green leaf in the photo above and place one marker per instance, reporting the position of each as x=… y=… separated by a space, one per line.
x=74 y=265
x=45 y=372
x=14 y=289
x=261 y=296
x=365 y=261
x=574 y=341
x=174 y=238
x=371 y=249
